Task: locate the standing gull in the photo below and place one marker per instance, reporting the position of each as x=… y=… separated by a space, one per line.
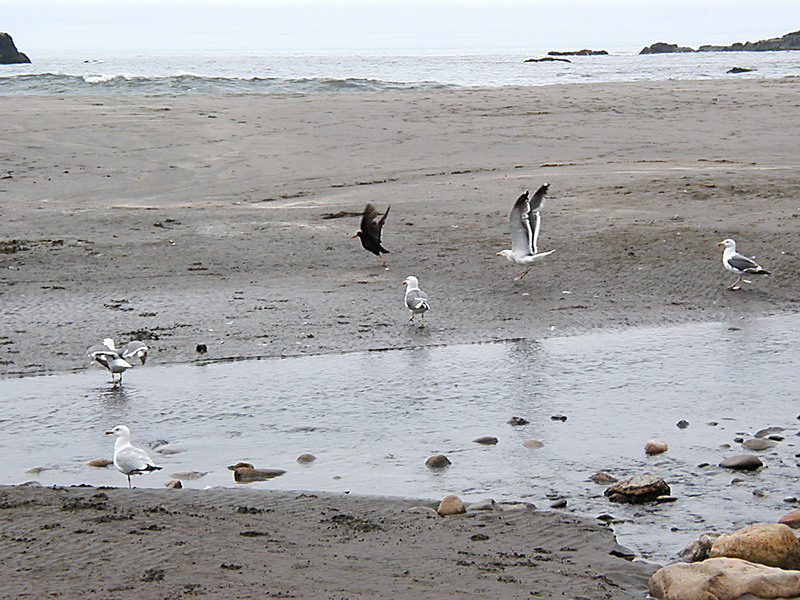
x=116 y=359
x=524 y=220
x=416 y=300
x=370 y=233
x=129 y=459
x=739 y=264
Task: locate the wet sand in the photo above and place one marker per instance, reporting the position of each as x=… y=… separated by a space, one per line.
x=225 y=221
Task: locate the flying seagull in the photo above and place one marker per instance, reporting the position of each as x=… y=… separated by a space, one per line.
x=370 y=232
x=739 y=264
x=129 y=459
x=524 y=220
x=416 y=300
x=116 y=359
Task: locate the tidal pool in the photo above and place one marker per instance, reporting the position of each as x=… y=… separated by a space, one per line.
x=373 y=418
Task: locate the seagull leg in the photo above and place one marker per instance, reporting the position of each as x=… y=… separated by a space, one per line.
x=422 y=317
x=129 y=483
x=735 y=285
x=411 y=320
x=521 y=275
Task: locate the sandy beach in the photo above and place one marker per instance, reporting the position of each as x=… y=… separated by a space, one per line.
x=226 y=221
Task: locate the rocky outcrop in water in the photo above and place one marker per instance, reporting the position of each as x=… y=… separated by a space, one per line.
x=790 y=41
x=9 y=54
x=583 y=52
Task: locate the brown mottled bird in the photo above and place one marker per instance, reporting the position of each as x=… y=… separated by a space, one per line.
x=370 y=232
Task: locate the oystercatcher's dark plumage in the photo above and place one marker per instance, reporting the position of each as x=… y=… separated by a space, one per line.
x=370 y=233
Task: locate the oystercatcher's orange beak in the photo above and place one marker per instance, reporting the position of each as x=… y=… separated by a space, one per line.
x=352 y=237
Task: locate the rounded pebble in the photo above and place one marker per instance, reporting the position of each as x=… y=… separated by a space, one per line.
x=306 y=458
x=655 y=447
x=487 y=440
x=438 y=461
x=451 y=505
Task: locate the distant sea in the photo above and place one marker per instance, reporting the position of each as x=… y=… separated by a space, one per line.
x=307 y=73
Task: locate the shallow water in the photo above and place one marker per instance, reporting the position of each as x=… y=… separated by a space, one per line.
x=372 y=418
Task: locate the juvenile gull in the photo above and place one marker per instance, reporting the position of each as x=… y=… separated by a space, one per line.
x=370 y=233
x=739 y=264
x=116 y=359
x=416 y=300
x=129 y=459
x=525 y=220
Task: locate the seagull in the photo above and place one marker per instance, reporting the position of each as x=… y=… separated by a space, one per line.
x=116 y=359
x=129 y=459
x=524 y=221
x=370 y=232
x=416 y=300
x=739 y=264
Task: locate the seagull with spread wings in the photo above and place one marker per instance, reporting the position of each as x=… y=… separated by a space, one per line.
x=525 y=220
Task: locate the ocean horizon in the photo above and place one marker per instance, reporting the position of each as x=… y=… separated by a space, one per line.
x=242 y=72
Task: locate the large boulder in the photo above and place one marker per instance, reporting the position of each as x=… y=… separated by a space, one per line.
x=8 y=51
x=771 y=544
x=723 y=579
x=638 y=489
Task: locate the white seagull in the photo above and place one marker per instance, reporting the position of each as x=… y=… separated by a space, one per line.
x=739 y=264
x=129 y=459
x=116 y=359
x=524 y=221
x=416 y=300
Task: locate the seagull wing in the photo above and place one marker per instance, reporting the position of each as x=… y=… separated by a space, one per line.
x=416 y=299
x=520 y=224
x=135 y=349
x=101 y=350
x=742 y=263
x=537 y=202
x=133 y=460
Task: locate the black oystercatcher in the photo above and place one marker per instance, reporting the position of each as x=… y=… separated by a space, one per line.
x=370 y=232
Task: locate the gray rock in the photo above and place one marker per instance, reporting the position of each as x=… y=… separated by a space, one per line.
x=768 y=431
x=759 y=444
x=682 y=424
x=247 y=475
x=664 y=48
x=742 y=462
x=638 y=489
x=9 y=54
x=487 y=504
x=697 y=550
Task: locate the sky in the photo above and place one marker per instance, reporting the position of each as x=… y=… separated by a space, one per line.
x=321 y=25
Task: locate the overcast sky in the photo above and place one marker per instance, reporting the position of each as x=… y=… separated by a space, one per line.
x=174 y=25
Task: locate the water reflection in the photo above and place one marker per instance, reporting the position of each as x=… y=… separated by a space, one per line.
x=372 y=419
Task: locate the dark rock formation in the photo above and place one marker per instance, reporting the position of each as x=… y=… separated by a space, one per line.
x=664 y=48
x=547 y=59
x=583 y=52
x=790 y=41
x=8 y=51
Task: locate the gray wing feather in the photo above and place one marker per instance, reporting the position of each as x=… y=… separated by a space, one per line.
x=520 y=225
x=742 y=263
x=132 y=459
x=416 y=299
x=135 y=349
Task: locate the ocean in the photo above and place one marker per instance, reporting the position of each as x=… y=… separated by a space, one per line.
x=318 y=72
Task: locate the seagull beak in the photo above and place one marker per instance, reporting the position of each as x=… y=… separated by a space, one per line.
x=405 y=283
x=498 y=254
x=720 y=244
x=109 y=433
